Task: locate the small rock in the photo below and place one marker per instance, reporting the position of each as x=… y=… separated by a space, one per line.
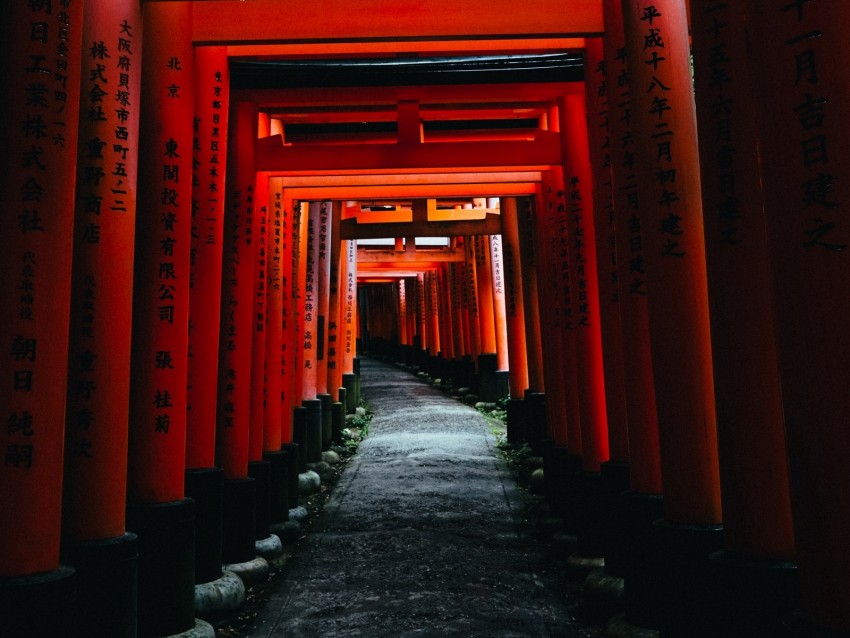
x=290 y=531
x=330 y=457
x=485 y=405
x=534 y=462
x=538 y=484
x=360 y=411
x=298 y=514
x=308 y=482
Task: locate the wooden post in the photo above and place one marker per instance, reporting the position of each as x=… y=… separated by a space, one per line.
x=798 y=56
x=41 y=98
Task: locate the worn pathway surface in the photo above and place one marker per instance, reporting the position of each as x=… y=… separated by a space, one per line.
x=424 y=534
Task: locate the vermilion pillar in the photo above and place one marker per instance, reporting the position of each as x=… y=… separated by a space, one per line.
x=287 y=345
x=528 y=262
x=259 y=322
x=299 y=278
x=799 y=53
x=212 y=93
x=422 y=312
x=514 y=302
x=484 y=282
x=558 y=407
x=234 y=399
x=669 y=189
x=310 y=319
x=349 y=330
x=334 y=307
x=323 y=273
x=599 y=146
x=275 y=251
x=160 y=515
x=644 y=452
x=402 y=313
x=750 y=426
x=472 y=295
x=584 y=282
x=435 y=341
x=497 y=271
x=41 y=98
x=234 y=381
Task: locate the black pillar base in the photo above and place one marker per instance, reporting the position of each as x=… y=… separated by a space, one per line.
x=356 y=369
x=337 y=421
x=517 y=421
x=239 y=520
x=670 y=590
x=327 y=420
x=560 y=467
x=487 y=390
x=166 y=534
x=503 y=384
x=349 y=383
x=278 y=488
x=299 y=435
x=313 y=438
x=107 y=585
x=751 y=596
x=204 y=486
x=293 y=454
x=631 y=520
x=537 y=421
x=39 y=605
x=260 y=471
x=587 y=512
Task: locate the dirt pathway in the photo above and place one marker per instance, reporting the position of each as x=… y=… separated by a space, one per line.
x=424 y=535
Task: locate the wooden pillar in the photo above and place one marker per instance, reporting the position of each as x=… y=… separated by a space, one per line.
x=402 y=313
x=310 y=319
x=644 y=449
x=584 y=282
x=531 y=301
x=668 y=171
x=422 y=312
x=472 y=295
x=41 y=98
x=260 y=252
x=599 y=144
x=299 y=278
x=337 y=277
x=234 y=390
x=273 y=369
x=323 y=273
x=160 y=331
x=514 y=303
x=798 y=56
x=212 y=100
x=287 y=292
x=484 y=282
x=497 y=272
x=559 y=355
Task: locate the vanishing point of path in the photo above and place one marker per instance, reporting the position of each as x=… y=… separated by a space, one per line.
x=424 y=534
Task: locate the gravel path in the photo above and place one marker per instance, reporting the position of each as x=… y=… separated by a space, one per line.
x=424 y=535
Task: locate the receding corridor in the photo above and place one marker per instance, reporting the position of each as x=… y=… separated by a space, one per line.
x=425 y=534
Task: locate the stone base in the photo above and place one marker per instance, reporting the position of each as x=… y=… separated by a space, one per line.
x=219 y=597
x=250 y=572
x=313 y=434
x=288 y=532
x=38 y=605
x=201 y=629
x=670 y=590
x=204 y=487
x=751 y=596
x=166 y=534
x=580 y=564
x=269 y=548
x=308 y=483
x=107 y=585
x=603 y=594
x=619 y=627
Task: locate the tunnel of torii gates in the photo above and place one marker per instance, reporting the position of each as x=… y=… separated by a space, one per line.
x=184 y=290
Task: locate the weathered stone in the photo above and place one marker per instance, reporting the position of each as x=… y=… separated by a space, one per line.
x=537 y=482
x=298 y=514
x=251 y=572
x=330 y=457
x=219 y=597
x=269 y=547
x=308 y=483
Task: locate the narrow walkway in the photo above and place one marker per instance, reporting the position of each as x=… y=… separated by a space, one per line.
x=423 y=536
